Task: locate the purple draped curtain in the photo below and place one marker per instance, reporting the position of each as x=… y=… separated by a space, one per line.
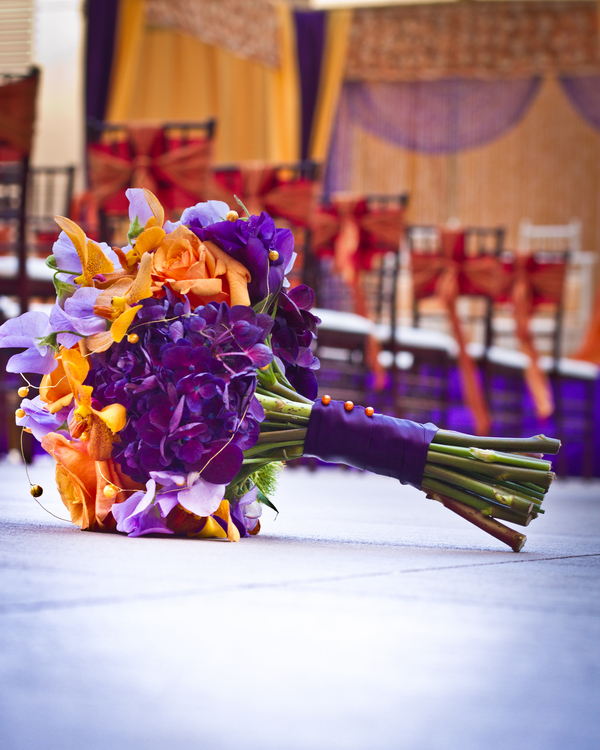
x=101 y=25
x=433 y=117
x=584 y=94
x=310 y=41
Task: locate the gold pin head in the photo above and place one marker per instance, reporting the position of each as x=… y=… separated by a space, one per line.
x=232 y=216
x=325 y=400
x=20 y=413
x=133 y=338
x=23 y=391
x=110 y=491
x=36 y=490
x=273 y=255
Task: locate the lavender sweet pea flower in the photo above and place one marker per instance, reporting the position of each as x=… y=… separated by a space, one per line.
x=197 y=495
x=77 y=317
x=138 y=205
x=203 y=214
x=246 y=512
x=29 y=331
x=140 y=514
x=38 y=419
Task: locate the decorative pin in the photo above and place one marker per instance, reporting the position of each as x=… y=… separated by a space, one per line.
x=232 y=216
x=23 y=391
x=20 y=413
x=369 y=411
x=325 y=400
x=133 y=338
x=36 y=490
x=348 y=406
x=273 y=255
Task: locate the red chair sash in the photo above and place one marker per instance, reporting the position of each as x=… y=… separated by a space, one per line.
x=176 y=172
x=270 y=189
x=17 y=116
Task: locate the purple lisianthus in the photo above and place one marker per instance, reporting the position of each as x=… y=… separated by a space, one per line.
x=77 y=319
x=246 y=512
x=38 y=419
x=30 y=331
x=188 y=388
x=250 y=243
x=293 y=332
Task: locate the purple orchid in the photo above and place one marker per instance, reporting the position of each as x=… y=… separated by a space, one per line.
x=250 y=242
x=77 y=319
x=32 y=331
x=294 y=330
x=39 y=420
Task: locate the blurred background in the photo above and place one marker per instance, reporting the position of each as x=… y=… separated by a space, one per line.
x=439 y=164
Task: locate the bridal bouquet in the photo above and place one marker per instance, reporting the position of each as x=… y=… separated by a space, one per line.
x=178 y=377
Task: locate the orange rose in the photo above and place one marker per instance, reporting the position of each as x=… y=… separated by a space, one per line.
x=81 y=482
x=202 y=271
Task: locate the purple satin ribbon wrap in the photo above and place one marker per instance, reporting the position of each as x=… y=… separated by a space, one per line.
x=384 y=445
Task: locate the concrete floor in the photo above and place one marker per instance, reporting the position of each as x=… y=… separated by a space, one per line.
x=363 y=616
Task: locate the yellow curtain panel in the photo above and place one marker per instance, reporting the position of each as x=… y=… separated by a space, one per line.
x=163 y=75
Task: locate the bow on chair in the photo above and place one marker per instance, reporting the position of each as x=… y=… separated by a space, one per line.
x=448 y=275
x=535 y=283
x=146 y=164
x=353 y=233
x=270 y=189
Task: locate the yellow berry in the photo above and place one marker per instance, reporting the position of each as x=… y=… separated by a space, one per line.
x=133 y=338
x=20 y=413
x=110 y=491
x=348 y=406
x=232 y=216
x=273 y=255
x=326 y=400
x=36 y=490
x=23 y=391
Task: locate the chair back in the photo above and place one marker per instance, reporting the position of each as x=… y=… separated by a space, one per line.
x=49 y=193
x=172 y=160
x=17 y=116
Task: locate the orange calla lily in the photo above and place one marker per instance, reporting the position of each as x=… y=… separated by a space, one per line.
x=93 y=260
x=101 y=426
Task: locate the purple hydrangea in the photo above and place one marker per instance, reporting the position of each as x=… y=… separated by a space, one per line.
x=294 y=330
x=250 y=243
x=188 y=386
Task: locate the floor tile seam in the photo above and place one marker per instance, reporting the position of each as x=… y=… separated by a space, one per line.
x=34 y=607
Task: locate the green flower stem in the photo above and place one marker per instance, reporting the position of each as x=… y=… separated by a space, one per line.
x=506 y=489
x=283 y=406
x=498 y=471
x=263 y=450
x=282 y=436
x=538 y=444
x=488 y=509
x=270 y=385
x=487 y=491
x=524 y=462
x=490 y=456
x=273 y=416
